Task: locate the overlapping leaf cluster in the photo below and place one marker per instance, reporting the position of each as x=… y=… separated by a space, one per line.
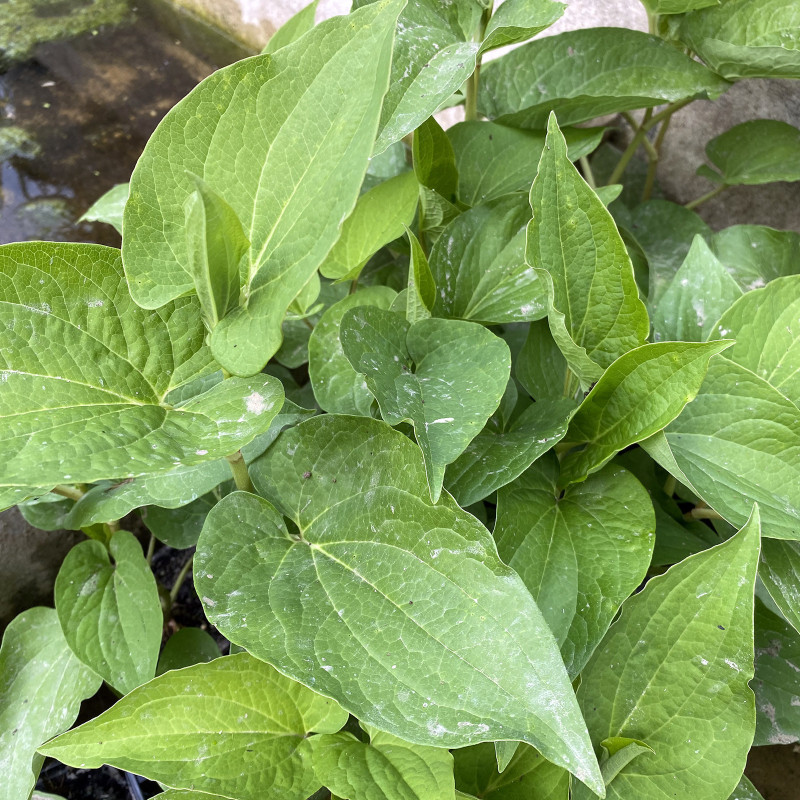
x=396 y=339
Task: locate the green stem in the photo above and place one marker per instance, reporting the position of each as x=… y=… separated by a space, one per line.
x=652 y=23
x=240 y=474
x=588 y=175
x=650 y=181
x=308 y=323
x=176 y=587
x=670 y=484
x=703 y=513
x=151 y=548
x=68 y=491
x=707 y=196
x=471 y=102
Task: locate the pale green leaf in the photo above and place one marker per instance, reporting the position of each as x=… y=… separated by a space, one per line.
x=186 y=794
x=108 y=606
x=638 y=395
x=580 y=554
x=444 y=376
x=284 y=139
x=387 y=768
x=600 y=71
x=527 y=777
x=232 y=726
x=109 y=207
x=421 y=294
x=338 y=388
x=406 y=616
x=754 y=152
x=500 y=453
x=504 y=752
x=93 y=399
x=42 y=685
x=186 y=647
x=595 y=312
x=214 y=248
x=673 y=671
x=699 y=293
x=494 y=160
x=677 y=6
x=777 y=649
x=478 y=264
x=293 y=28
x=780 y=574
x=618 y=752
x=434 y=159
x=518 y=20
x=380 y=216
x=747 y=38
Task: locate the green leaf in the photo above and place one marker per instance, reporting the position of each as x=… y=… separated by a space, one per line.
x=186 y=647
x=460 y=370
x=500 y=453
x=421 y=288
x=182 y=794
x=754 y=152
x=478 y=264
x=640 y=394
x=527 y=777
x=504 y=752
x=766 y=327
x=179 y=527
x=494 y=160
x=518 y=20
x=293 y=28
x=602 y=71
x=93 y=399
x=580 y=554
x=109 y=610
x=338 y=388
x=434 y=159
x=380 y=216
x=745 y=791
x=540 y=366
x=777 y=649
x=232 y=726
x=700 y=292
x=109 y=207
x=780 y=574
x=746 y=38
x=755 y=255
x=42 y=685
x=387 y=768
x=215 y=246
x=405 y=612
x=284 y=139
x=50 y=512
x=432 y=58
x=672 y=672
x=595 y=312
x=677 y=6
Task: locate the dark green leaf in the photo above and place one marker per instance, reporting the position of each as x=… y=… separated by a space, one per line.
x=186 y=647
x=780 y=573
x=434 y=160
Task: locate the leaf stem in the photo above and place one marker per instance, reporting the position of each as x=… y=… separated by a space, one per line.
x=704 y=513
x=670 y=484
x=471 y=102
x=176 y=587
x=240 y=474
x=151 y=548
x=650 y=181
x=308 y=323
x=588 y=175
x=707 y=196
x=72 y=492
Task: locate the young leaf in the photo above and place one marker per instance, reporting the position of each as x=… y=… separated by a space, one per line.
x=780 y=573
x=777 y=649
x=499 y=453
x=494 y=160
x=42 y=685
x=672 y=672
x=602 y=71
x=380 y=216
x=638 y=395
x=338 y=388
x=109 y=610
x=434 y=159
x=758 y=151
x=214 y=249
x=284 y=139
x=528 y=776
x=478 y=264
x=618 y=752
x=421 y=288
x=293 y=28
x=232 y=726
x=460 y=372
x=595 y=312
x=92 y=399
x=407 y=615
x=187 y=647
x=580 y=554
x=677 y=6
x=387 y=768
x=109 y=207
x=746 y=38
x=517 y=20
x=700 y=291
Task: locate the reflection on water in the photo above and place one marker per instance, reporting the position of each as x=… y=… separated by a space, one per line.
x=76 y=114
